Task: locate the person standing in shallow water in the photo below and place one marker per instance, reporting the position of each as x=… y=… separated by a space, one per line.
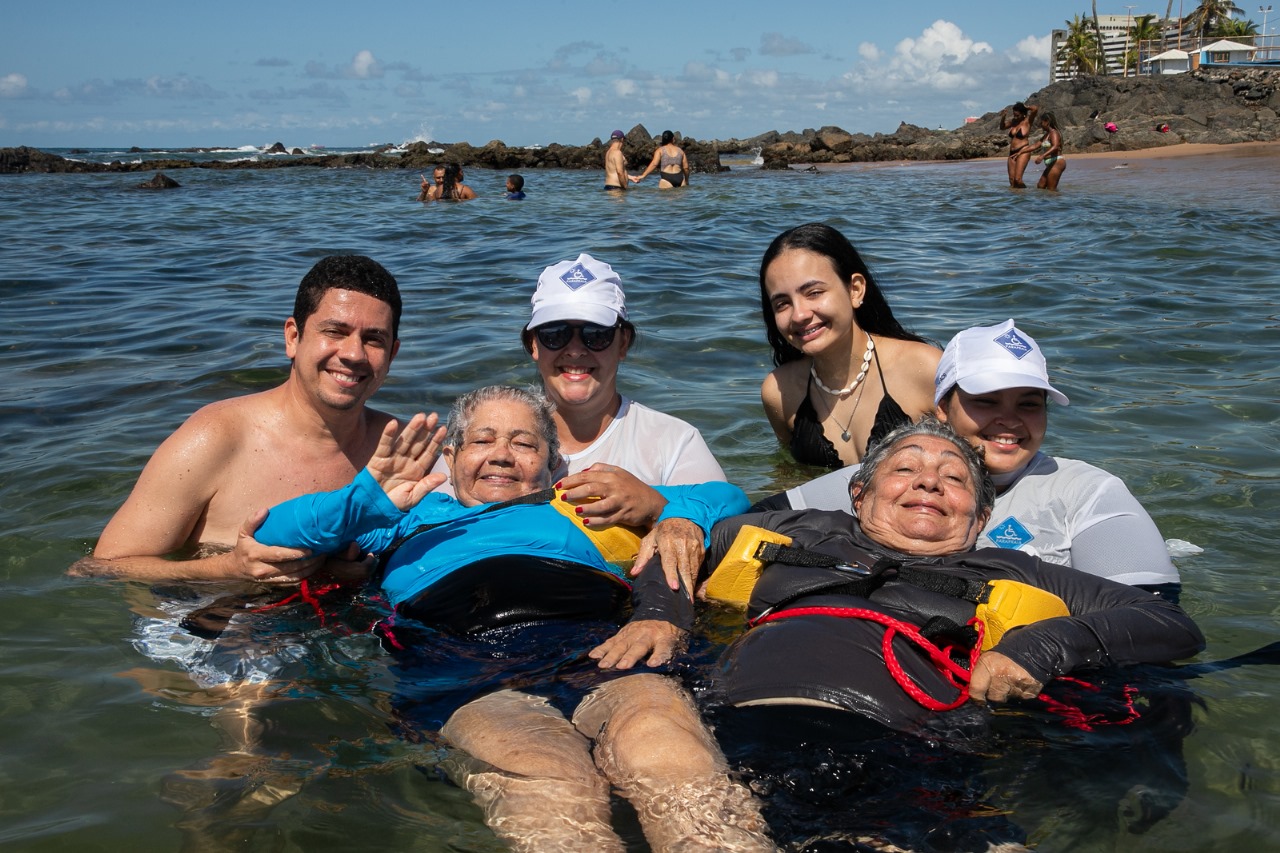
x=1019 y=122
x=671 y=162
x=847 y=371
x=1051 y=153
x=615 y=163
x=451 y=186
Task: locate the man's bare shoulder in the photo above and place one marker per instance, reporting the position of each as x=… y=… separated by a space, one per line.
x=230 y=419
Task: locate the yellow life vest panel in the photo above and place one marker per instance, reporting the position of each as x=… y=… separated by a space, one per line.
x=618 y=543
x=736 y=574
x=1001 y=606
x=1008 y=604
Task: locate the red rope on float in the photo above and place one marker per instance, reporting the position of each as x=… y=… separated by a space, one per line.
x=941 y=658
x=944 y=660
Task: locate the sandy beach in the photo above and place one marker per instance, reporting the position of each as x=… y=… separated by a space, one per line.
x=1239 y=149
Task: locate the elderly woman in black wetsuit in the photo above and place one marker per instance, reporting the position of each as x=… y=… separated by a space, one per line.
x=671 y=162
x=847 y=371
x=826 y=609
x=1019 y=121
x=920 y=500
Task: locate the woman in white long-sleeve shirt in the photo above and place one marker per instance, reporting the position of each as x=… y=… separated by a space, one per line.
x=993 y=387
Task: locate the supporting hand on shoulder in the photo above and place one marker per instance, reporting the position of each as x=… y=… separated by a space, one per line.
x=620 y=496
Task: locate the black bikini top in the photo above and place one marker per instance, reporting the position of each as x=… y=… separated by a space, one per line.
x=810 y=445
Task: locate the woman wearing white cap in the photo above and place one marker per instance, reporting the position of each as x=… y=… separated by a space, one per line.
x=992 y=386
x=614 y=447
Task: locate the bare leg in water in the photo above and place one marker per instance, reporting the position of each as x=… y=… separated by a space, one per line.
x=651 y=743
x=533 y=773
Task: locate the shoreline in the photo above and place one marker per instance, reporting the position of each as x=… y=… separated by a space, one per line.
x=1237 y=150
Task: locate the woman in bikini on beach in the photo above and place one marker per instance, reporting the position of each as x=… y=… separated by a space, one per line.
x=670 y=161
x=1019 y=121
x=847 y=372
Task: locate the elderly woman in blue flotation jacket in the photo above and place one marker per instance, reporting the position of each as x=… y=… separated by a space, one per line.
x=502 y=554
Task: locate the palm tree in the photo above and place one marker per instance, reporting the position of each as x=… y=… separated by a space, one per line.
x=1143 y=29
x=1209 y=13
x=1081 y=51
x=1233 y=28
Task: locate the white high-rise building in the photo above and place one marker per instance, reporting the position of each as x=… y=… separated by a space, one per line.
x=1115 y=31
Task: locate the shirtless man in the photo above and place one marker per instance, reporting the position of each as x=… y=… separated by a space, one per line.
x=431 y=191
x=207 y=487
x=615 y=164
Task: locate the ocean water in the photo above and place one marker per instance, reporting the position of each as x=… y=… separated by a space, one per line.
x=1152 y=285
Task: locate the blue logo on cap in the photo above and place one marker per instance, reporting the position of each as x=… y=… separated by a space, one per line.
x=1010 y=534
x=577 y=276
x=1016 y=344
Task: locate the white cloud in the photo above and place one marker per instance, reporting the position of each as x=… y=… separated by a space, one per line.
x=624 y=88
x=364 y=66
x=13 y=85
x=1034 y=47
x=869 y=52
x=765 y=78
x=582 y=95
x=941 y=59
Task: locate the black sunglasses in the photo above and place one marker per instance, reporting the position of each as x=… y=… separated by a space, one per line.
x=556 y=336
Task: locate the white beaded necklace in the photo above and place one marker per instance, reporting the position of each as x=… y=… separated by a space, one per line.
x=862 y=374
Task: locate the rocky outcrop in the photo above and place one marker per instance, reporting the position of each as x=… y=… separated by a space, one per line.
x=1214 y=107
x=639 y=148
x=161 y=181
x=1217 y=107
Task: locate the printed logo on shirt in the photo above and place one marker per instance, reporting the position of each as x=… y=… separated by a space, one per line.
x=577 y=276
x=1016 y=344
x=1010 y=534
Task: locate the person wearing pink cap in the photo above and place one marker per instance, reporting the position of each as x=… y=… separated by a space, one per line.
x=993 y=387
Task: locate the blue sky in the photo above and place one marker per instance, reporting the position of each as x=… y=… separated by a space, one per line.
x=346 y=74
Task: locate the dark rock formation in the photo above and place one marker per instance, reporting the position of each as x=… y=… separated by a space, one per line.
x=1215 y=107
x=161 y=181
x=278 y=148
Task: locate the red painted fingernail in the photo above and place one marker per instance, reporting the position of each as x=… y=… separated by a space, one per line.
x=557 y=485
x=578 y=510
x=585 y=520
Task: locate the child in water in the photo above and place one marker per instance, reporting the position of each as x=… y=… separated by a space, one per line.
x=515 y=187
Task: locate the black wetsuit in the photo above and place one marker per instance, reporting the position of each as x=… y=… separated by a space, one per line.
x=839 y=660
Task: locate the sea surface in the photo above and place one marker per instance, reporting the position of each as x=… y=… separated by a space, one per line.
x=1152 y=284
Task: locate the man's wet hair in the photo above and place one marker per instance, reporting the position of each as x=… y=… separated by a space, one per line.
x=517 y=182
x=347 y=272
